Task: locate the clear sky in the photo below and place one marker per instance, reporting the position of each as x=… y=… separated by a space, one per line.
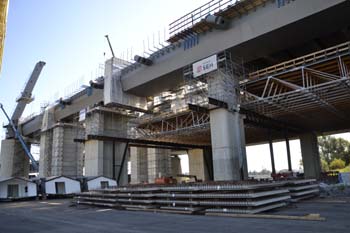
x=69 y=36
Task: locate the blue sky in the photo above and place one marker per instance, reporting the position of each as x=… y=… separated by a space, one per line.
x=69 y=36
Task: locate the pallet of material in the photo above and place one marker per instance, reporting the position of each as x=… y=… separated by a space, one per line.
x=302 y=189
x=235 y=197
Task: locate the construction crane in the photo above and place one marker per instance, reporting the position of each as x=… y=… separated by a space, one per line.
x=110 y=45
x=20 y=138
x=25 y=98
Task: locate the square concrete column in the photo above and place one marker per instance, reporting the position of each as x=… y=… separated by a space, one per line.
x=310 y=155
x=45 y=154
x=227 y=129
x=159 y=163
x=175 y=166
x=94 y=158
x=66 y=152
x=197 y=164
x=139 y=168
x=121 y=167
x=13 y=160
x=229 y=156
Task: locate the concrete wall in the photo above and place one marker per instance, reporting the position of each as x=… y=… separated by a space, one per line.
x=13 y=160
x=32 y=191
x=96 y=183
x=72 y=186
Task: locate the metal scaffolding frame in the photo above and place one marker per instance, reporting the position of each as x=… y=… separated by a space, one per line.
x=321 y=84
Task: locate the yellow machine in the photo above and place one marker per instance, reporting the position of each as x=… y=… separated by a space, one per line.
x=3 y=20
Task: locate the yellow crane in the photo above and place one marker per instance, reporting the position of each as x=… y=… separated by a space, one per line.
x=3 y=19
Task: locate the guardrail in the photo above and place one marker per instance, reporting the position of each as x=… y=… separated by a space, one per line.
x=196 y=15
x=313 y=57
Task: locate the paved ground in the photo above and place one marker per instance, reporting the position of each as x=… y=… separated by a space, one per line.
x=57 y=216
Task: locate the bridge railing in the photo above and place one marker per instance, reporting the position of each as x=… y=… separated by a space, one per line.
x=198 y=14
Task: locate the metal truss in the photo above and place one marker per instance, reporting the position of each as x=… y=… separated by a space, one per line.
x=185 y=122
x=300 y=89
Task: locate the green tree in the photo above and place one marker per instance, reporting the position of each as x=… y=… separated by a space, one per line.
x=332 y=148
x=337 y=164
x=324 y=165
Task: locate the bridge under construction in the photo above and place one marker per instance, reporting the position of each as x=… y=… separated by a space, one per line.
x=233 y=73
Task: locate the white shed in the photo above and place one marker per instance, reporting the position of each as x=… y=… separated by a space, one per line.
x=61 y=185
x=100 y=182
x=16 y=188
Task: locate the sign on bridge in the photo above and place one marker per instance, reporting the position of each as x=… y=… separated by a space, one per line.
x=205 y=66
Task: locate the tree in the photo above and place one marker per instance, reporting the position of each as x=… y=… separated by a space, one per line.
x=332 y=148
x=324 y=165
x=337 y=164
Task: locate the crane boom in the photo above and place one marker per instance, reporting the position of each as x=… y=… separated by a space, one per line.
x=26 y=95
x=20 y=138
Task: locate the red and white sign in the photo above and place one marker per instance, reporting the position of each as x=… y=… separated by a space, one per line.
x=205 y=66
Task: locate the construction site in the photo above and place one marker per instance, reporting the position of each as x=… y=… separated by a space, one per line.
x=231 y=74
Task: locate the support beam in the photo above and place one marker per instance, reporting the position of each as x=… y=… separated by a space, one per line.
x=272 y=156
x=288 y=153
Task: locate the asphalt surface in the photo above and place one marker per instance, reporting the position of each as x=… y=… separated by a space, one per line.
x=58 y=216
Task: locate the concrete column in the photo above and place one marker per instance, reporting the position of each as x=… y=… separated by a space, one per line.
x=94 y=148
x=139 y=168
x=13 y=160
x=93 y=158
x=175 y=166
x=227 y=130
x=159 y=163
x=66 y=152
x=105 y=157
x=310 y=155
x=289 y=159
x=197 y=165
x=46 y=143
x=45 y=154
x=227 y=138
x=121 y=170
x=272 y=155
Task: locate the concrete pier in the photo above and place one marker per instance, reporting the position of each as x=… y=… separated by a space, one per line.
x=229 y=156
x=159 y=163
x=175 y=166
x=45 y=154
x=227 y=130
x=105 y=157
x=197 y=165
x=139 y=165
x=67 y=154
x=13 y=160
x=310 y=155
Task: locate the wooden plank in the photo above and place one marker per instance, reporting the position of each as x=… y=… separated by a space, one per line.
x=309 y=217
